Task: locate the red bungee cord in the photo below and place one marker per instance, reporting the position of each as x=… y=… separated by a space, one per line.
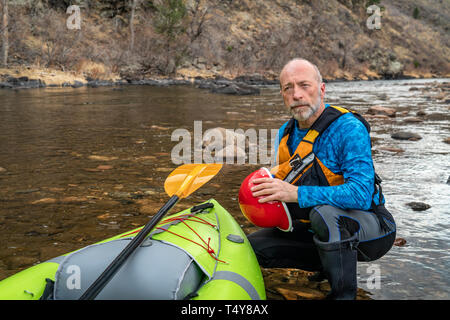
x=183 y=218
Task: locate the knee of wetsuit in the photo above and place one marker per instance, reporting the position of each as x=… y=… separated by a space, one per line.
x=324 y=217
x=318 y=225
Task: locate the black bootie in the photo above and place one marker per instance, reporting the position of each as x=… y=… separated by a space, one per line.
x=339 y=264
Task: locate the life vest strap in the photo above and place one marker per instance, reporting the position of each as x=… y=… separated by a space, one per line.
x=298 y=165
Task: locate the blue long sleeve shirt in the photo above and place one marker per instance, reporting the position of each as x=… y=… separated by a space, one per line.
x=344 y=148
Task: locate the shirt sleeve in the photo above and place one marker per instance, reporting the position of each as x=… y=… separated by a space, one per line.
x=351 y=144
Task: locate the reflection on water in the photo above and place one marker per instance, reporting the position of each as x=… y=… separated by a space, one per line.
x=80 y=165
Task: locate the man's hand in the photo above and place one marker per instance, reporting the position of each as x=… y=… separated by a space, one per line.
x=274 y=189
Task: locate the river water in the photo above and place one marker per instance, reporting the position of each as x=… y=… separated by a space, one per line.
x=80 y=165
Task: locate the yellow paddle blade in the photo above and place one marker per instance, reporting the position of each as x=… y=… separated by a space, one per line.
x=189 y=177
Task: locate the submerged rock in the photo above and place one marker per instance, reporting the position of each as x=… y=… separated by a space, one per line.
x=412 y=120
x=379 y=110
x=73 y=200
x=404 y=135
x=16 y=262
x=391 y=149
x=101 y=158
x=105 y=167
x=418 y=206
x=26 y=191
x=421 y=113
x=44 y=201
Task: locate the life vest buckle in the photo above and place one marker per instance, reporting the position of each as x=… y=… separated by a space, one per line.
x=296 y=162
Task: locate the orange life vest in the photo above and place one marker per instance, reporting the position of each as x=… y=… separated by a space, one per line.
x=303 y=167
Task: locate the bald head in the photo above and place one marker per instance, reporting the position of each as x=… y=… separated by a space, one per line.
x=303 y=91
x=300 y=65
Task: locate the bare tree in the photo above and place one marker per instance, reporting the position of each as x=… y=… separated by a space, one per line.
x=134 y=5
x=198 y=18
x=5 y=44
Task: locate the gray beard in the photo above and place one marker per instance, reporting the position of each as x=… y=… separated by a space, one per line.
x=301 y=117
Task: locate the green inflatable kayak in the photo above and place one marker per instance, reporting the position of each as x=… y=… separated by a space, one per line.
x=200 y=253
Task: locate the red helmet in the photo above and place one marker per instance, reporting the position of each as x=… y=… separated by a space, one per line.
x=267 y=215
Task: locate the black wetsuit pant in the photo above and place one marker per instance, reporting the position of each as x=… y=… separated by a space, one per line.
x=296 y=249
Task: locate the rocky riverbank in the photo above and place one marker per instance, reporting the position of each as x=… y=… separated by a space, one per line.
x=32 y=78
x=246 y=42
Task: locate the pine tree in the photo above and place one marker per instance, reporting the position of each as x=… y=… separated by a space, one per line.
x=170 y=22
x=416 y=13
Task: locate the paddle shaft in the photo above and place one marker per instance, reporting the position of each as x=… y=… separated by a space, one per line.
x=117 y=263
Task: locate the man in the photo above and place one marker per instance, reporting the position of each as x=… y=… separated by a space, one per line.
x=325 y=176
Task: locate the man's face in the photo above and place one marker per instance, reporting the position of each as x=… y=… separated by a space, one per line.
x=301 y=91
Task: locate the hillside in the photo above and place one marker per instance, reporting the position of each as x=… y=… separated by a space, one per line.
x=139 y=39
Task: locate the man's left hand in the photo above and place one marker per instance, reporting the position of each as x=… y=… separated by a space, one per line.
x=273 y=190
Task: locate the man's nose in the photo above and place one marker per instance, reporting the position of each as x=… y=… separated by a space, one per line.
x=298 y=93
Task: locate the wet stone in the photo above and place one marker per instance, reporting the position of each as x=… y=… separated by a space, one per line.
x=391 y=149
x=27 y=191
x=105 y=167
x=73 y=199
x=413 y=120
x=120 y=195
x=418 y=206
x=421 y=113
x=404 y=135
x=44 y=201
x=101 y=158
x=379 y=110
x=399 y=242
